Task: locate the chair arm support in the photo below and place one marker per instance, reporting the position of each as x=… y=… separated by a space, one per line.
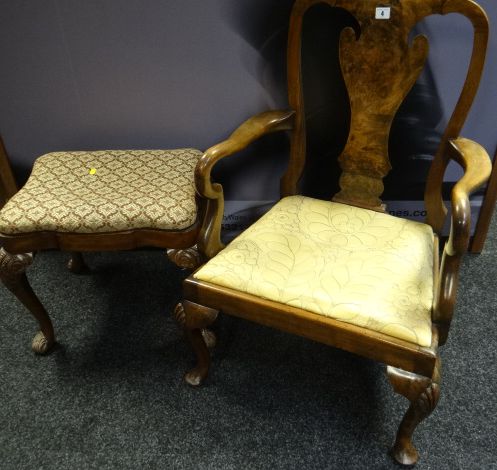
x=477 y=167
x=211 y=194
x=249 y=131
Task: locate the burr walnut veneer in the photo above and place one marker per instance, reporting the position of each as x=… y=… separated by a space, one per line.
x=345 y=273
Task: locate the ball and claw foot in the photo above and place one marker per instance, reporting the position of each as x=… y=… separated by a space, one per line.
x=194 y=377
x=41 y=345
x=405 y=453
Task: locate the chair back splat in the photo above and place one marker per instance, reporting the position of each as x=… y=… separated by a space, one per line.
x=380 y=65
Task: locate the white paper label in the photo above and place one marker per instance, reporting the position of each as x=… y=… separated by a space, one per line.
x=382 y=13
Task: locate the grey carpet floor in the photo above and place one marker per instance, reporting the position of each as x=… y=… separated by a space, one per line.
x=110 y=396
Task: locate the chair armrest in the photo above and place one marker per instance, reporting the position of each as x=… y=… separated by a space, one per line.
x=209 y=242
x=249 y=131
x=477 y=168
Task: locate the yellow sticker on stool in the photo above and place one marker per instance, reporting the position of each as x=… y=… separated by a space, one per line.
x=93 y=171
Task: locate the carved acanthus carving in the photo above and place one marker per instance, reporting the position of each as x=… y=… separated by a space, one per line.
x=188 y=258
x=427 y=401
x=208 y=336
x=12 y=267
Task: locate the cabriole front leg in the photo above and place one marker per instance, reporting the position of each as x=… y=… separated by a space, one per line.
x=13 y=276
x=194 y=319
x=423 y=393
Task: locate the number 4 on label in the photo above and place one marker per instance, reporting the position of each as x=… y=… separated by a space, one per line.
x=382 y=13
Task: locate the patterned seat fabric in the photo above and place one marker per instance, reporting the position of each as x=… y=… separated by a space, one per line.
x=105 y=191
x=354 y=265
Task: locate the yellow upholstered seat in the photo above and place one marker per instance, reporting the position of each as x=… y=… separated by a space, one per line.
x=355 y=265
x=105 y=191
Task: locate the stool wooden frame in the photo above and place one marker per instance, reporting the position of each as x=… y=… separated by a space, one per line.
x=186 y=248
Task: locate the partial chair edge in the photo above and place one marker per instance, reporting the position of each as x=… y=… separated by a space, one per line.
x=109 y=241
x=377 y=346
x=8 y=185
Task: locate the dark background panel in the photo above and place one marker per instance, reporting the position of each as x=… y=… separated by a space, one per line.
x=91 y=74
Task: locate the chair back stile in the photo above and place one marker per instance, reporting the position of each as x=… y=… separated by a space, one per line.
x=436 y=210
x=379 y=65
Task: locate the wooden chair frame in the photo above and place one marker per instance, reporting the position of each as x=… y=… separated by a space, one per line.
x=413 y=371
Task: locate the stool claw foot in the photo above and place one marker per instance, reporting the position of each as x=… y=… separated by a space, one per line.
x=41 y=345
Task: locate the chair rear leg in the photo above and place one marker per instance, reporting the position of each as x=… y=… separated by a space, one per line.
x=13 y=276
x=423 y=393
x=77 y=263
x=194 y=319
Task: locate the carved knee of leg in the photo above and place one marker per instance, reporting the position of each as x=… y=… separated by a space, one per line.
x=193 y=316
x=13 y=267
x=188 y=258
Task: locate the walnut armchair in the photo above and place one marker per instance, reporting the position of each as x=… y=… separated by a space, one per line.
x=99 y=201
x=343 y=272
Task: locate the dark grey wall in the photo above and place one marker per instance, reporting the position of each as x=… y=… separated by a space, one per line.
x=112 y=74
x=89 y=74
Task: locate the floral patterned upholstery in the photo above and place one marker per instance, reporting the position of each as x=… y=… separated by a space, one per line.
x=354 y=265
x=105 y=191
